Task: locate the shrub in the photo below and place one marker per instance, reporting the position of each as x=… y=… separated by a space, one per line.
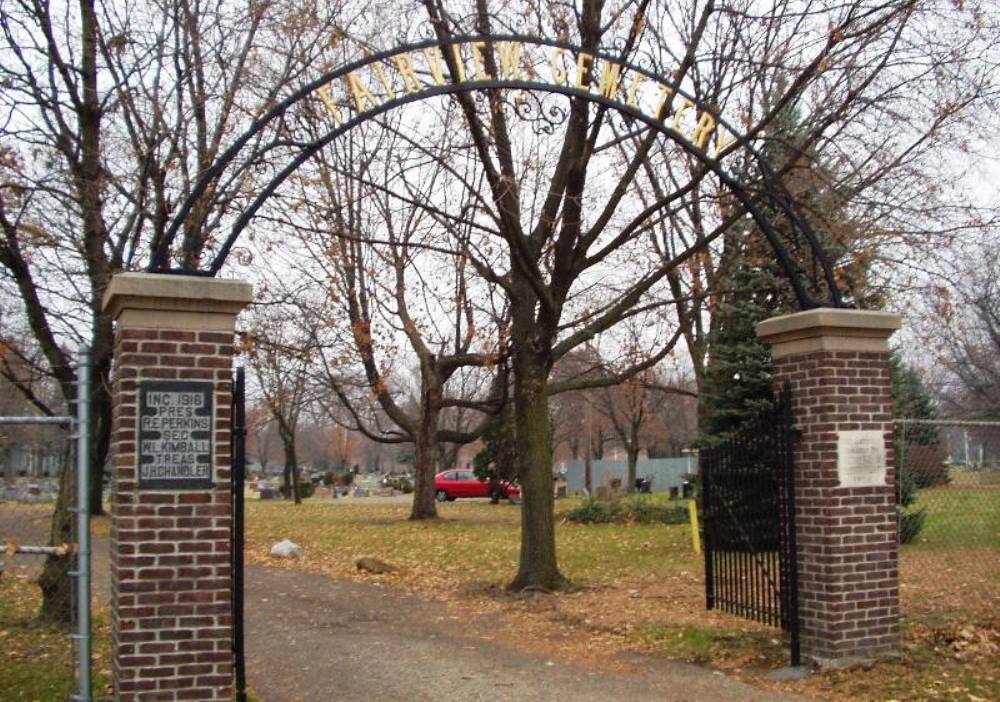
x=926 y=464
x=404 y=485
x=642 y=510
x=638 y=509
x=594 y=511
x=910 y=524
x=910 y=521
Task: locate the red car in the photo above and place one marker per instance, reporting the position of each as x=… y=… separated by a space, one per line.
x=451 y=484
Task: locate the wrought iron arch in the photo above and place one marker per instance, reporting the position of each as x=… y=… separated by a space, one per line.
x=775 y=193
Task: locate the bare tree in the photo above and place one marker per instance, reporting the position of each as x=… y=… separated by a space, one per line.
x=631 y=408
x=850 y=68
x=281 y=360
x=390 y=280
x=109 y=113
x=260 y=435
x=959 y=325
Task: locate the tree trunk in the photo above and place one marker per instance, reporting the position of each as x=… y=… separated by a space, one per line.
x=426 y=452
x=291 y=473
x=597 y=445
x=632 y=454
x=538 y=567
x=54 y=582
x=100 y=431
x=588 y=468
x=89 y=181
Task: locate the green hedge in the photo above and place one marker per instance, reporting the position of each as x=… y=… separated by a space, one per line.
x=630 y=510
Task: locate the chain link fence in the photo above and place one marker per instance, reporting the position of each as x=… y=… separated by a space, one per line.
x=44 y=521
x=37 y=466
x=949 y=509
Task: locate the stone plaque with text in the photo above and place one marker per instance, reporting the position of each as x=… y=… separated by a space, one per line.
x=861 y=459
x=175 y=434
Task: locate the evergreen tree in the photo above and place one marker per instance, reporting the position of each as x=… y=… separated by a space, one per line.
x=910 y=400
x=738 y=376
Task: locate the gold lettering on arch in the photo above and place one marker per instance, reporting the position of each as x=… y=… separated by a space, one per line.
x=583 y=63
x=479 y=60
x=360 y=93
x=632 y=98
x=456 y=53
x=556 y=63
x=510 y=60
x=685 y=105
x=610 y=77
x=404 y=64
x=419 y=69
x=384 y=81
x=331 y=105
x=435 y=64
x=703 y=130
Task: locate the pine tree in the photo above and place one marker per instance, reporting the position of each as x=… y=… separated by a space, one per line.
x=910 y=400
x=738 y=376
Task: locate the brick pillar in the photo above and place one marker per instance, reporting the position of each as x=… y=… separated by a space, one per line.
x=171 y=515
x=837 y=362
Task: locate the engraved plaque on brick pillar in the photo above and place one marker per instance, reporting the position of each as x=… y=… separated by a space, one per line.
x=837 y=362
x=170 y=486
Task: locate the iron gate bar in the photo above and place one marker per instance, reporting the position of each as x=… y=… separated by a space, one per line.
x=80 y=424
x=238 y=477
x=749 y=504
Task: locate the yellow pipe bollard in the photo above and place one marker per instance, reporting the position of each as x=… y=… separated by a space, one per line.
x=695 y=534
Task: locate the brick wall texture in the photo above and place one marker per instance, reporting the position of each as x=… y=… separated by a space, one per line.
x=847 y=542
x=170 y=551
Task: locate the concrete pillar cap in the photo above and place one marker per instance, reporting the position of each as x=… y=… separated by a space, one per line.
x=828 y=329
x=158 y=300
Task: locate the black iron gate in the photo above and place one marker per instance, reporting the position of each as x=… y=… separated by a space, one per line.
x=749 y=522
x=238 y=472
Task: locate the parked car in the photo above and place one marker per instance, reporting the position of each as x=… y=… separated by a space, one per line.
x=451 y=484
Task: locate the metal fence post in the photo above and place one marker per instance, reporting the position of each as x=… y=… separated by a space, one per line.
x=83 y=526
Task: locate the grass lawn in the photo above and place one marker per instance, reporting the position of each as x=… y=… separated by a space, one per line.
x=959 y=516
x=639 y=588
x=954 y=563
x=36 y=661
x=474 y=543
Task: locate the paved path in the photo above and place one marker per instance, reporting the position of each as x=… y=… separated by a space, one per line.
x=315 y=639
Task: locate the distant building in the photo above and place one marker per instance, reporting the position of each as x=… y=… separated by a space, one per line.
x=665 y=472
